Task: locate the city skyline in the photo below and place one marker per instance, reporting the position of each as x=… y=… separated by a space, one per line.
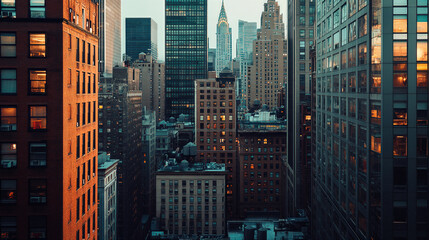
x=155 y=10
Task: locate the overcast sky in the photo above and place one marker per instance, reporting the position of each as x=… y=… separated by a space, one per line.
x=247 y=10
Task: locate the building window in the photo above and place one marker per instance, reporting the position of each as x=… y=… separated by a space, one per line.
x=8 y=157
x=400 y=115
x=8 y=119
x=352 y=31
x=400 y=146
x=37 y=227
x=363 y=28
x=37 y=81
x=83 y=51
x=37 y=117
x=400 y=51
x=37 y=154
x=8 y=227
x=422 y=51
x=422 y=23
x=77 y=50
x=400 y=20
x=37 y=45
x=8 y=81
x=37 y=8
x=37 y=190
x=7 y=192
x=8 y=9
x=8 y=44
x=422 y=146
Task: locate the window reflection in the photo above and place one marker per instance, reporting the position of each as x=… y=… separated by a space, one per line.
x=422 y=51
x=400 y=51
x=422 y=23
x=422 y=79
x=38 y=81
x=37 y=45
x=400 y=24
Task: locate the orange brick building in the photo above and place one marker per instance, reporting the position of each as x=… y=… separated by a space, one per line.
x=48 y=111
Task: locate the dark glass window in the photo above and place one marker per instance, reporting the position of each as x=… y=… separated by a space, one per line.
x=8 y=228
x=8 y=158
x=37 y=8
x=7 y=191
x=37 y=227
x=8 y=9
x=37 y=153
x=7 y=81
x=37 y=191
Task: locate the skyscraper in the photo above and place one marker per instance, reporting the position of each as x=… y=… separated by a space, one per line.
x=211 y=60
x=246 y=36
x=185 y=53
x=120 y=128
x=223 y=41
x=109 y=22
x=141 y=36
x=371 y=157
x=216 y=130
x=268 y=74
x=301 y=15
x=48 y=99
x=152 y=84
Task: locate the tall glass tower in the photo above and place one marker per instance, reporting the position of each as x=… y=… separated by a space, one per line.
x=223 y=42
x=141 y=35
x=246 y=36
x=370 y=170
x=185 y=53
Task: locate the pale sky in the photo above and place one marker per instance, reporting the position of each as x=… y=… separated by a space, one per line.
x=247 y=10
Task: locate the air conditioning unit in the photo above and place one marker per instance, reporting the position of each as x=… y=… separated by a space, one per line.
x=6 y=128
x=8 y=14
x=35 y=199
x=83 y=181
x=36 y=163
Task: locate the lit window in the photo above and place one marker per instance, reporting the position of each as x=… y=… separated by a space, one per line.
x=400 y=51
x=8 y=119
x=37 y=8
x=8 y=155
x=422 y=51
x=7 y=193
x=400 y=24
x=38 y=117
x=400 y=80
x=8 y=9
x=422 y=79
x=400 y=114
x=422 y=23
x=37 y=45
x=8 y=44
x=37 y=191
x=7 y=81
x=38 y=81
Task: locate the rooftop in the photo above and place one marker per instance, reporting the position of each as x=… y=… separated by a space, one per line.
x=185 y=167
x=104 y=161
